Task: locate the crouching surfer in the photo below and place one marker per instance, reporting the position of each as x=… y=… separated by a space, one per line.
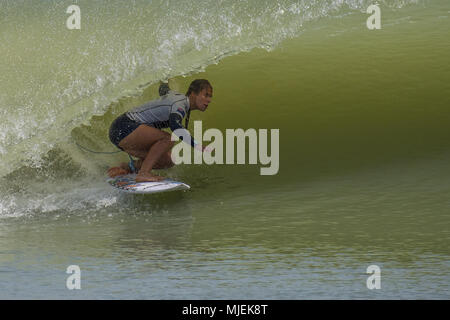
x=138 y=131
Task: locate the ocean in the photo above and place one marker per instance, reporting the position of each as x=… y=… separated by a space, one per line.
x=364 y=148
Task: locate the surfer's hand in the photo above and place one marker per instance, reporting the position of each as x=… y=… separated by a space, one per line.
x=201 y=148
x=163 y=89
x=207 y=149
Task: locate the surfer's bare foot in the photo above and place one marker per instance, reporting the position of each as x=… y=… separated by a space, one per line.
x=117 y=171
x=147 y=177
x=124 y=166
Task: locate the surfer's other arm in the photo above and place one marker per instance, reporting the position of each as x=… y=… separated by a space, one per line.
x=163 y=89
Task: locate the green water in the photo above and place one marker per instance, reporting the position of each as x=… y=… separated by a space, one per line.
x=364 y=175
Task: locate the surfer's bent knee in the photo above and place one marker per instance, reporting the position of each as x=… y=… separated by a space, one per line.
x=166 y=140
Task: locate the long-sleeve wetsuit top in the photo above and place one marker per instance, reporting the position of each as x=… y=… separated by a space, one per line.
x=165 y=112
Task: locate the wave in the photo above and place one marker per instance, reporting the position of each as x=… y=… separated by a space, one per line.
x=55 y=80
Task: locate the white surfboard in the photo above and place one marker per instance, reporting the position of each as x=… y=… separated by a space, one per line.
x=128 y=184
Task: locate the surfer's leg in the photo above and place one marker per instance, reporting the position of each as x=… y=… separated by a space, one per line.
x=165 y=162
x=120 y=128
x=148 y=144
x=155 y=159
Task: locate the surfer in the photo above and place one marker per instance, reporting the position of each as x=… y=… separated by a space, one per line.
x=138 y=131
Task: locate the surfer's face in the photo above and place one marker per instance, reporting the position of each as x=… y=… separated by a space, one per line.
x=203 y=99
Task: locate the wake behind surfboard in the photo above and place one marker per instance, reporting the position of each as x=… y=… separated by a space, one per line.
x=128 y=184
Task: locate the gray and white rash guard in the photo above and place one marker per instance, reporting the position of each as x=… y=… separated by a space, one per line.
x=165 y=112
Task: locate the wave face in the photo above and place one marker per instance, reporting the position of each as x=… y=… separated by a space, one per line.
x=55 y=79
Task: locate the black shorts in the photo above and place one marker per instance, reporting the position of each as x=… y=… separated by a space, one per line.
x=120 y=128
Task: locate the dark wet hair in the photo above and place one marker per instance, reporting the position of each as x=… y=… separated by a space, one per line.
x=198 y=85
